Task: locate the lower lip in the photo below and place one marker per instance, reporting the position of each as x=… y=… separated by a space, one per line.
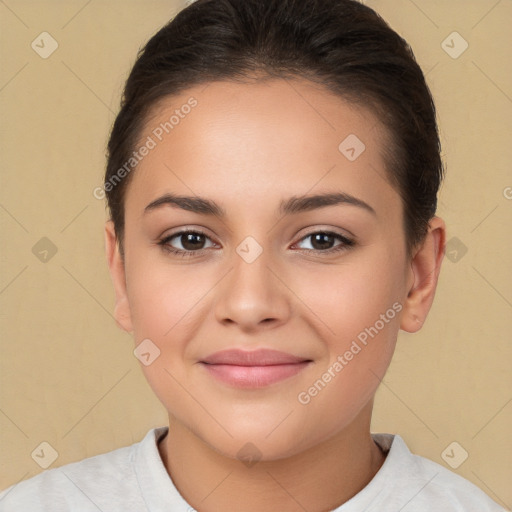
x=253 y=376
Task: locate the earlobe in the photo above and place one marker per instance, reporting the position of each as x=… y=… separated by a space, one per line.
x=116 y=267
x=424 y=274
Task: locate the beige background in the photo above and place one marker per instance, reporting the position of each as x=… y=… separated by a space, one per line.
x=68 y=374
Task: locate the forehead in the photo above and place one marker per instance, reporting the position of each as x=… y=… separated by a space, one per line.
x=250 y=142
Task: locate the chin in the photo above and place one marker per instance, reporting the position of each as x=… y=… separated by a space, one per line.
x=253 y=440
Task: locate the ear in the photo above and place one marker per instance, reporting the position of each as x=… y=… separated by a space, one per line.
x=424 y=273
x=115 y=262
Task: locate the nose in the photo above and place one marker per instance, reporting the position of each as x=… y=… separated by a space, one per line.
x=253 y=295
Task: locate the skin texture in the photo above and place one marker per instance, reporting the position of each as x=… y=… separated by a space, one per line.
x=248 y=147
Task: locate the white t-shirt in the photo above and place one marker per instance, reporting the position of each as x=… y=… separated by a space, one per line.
x=134 y=479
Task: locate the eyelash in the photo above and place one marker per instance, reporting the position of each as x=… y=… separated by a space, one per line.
x=345 y=245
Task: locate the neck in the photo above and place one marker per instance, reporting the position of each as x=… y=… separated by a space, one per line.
x=318 y=479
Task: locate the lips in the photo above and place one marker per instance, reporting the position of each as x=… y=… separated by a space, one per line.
x=261 y=357
x=253 y=369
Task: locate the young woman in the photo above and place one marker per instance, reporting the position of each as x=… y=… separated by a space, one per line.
x=272 y=179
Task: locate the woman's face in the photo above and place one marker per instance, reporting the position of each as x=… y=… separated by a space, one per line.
x=321 y=282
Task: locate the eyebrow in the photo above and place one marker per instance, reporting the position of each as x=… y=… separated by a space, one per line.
x=292 y=205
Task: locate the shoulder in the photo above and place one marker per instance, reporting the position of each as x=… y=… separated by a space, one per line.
x=90 y=484
x=423 y=483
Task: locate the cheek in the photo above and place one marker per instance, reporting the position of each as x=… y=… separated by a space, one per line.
x=161 y=295
x=164 y=303
x=358 y=306
x=169 y=304
x=348 y=297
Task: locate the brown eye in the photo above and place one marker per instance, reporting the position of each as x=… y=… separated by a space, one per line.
x=188 y=242
x=191 y=241
x=322 y=241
